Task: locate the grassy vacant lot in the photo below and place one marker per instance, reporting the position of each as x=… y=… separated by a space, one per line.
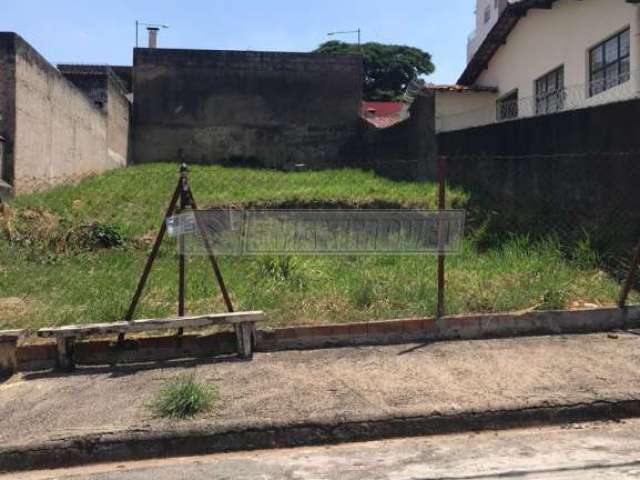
x=52 y=274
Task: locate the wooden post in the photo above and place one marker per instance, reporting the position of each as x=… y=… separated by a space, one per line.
x=66 y=352
x=631 y=277
x=152 y=255
x=244 y=336
x=441 y=247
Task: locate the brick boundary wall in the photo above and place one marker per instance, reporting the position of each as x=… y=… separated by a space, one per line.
x=30 y=357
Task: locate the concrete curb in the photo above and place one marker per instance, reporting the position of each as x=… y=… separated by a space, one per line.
x=454 y=327
x=386 y=332
x=139 y=445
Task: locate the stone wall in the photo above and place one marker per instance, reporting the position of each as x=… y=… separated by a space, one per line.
x=56 y=132
x=277 y=108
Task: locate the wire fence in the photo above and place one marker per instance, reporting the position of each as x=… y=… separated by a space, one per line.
x=578 y=213
x=542 y=232
x=600 y=91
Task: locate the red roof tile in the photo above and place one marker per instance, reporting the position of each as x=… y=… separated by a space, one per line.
x=381 y=108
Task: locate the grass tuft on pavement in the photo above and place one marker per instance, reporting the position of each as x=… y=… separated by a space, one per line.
x=184 y=397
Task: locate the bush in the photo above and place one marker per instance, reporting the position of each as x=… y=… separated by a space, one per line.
x=184 y=397
x=363 y=295
x=284 y=269
x=98 y=235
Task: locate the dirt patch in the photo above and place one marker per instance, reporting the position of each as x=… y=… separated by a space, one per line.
x=11 y=307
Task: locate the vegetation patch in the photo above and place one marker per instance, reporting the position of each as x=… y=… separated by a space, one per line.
x=75 y=254
x=183 y=397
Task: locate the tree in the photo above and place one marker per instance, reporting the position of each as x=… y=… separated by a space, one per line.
x=388 y=69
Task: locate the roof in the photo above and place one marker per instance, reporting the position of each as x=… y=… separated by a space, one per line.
x=498 y=36
x=384 y=114
x=459 y=88
x=382 y=108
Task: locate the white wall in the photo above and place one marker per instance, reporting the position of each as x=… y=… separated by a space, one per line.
x=458 y=110
x=546 y=39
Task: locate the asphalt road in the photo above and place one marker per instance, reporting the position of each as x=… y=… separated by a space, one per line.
x=601 y=450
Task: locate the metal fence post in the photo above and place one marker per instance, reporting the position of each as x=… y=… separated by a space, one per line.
x=184 y=203
x=441 y=247
x=628 y=284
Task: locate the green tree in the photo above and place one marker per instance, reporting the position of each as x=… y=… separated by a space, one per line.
x=388 y=69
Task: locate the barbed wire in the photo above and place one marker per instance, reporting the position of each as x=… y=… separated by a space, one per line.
x=572 y=97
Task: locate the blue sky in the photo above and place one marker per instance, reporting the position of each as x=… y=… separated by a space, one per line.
x=90 y=31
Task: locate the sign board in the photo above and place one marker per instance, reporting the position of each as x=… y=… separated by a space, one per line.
x=318 y=232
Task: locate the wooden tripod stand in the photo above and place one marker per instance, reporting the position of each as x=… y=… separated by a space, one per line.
x=182 y=199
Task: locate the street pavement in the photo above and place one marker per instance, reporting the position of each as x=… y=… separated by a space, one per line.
x=581 y=451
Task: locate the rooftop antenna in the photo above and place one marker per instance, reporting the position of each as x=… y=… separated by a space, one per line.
x=347 y=32
x=153 y=29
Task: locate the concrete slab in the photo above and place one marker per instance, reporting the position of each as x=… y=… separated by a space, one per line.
x=603 y=450
x=329 y=387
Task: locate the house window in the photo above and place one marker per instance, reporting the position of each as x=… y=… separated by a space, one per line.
x=487 y=14
x=507 y=106
x=550 y=92
x=609 y=63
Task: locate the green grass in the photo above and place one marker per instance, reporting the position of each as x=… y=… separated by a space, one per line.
x=183 y=397
x=48 y=277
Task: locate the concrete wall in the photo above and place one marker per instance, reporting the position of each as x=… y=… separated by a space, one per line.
x=546 y=39
x=118 y=122
x=611 y=128
x=280 y=108
x=563 y=172
x=407 y=150
x=56 y=131
x=458 y=110
x=109 y=93
x=7 y=104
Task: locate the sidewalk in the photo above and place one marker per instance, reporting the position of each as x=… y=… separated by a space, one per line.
x=332 y=394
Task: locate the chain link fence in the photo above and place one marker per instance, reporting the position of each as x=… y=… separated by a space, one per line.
x=541 y=232
x=579 y=211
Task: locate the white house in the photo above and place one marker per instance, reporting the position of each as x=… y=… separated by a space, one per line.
x=545 y=56
x=487 y=14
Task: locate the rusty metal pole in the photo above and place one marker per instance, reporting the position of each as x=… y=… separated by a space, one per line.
x=184 y=203
x=441 y=253
x=628 y=284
